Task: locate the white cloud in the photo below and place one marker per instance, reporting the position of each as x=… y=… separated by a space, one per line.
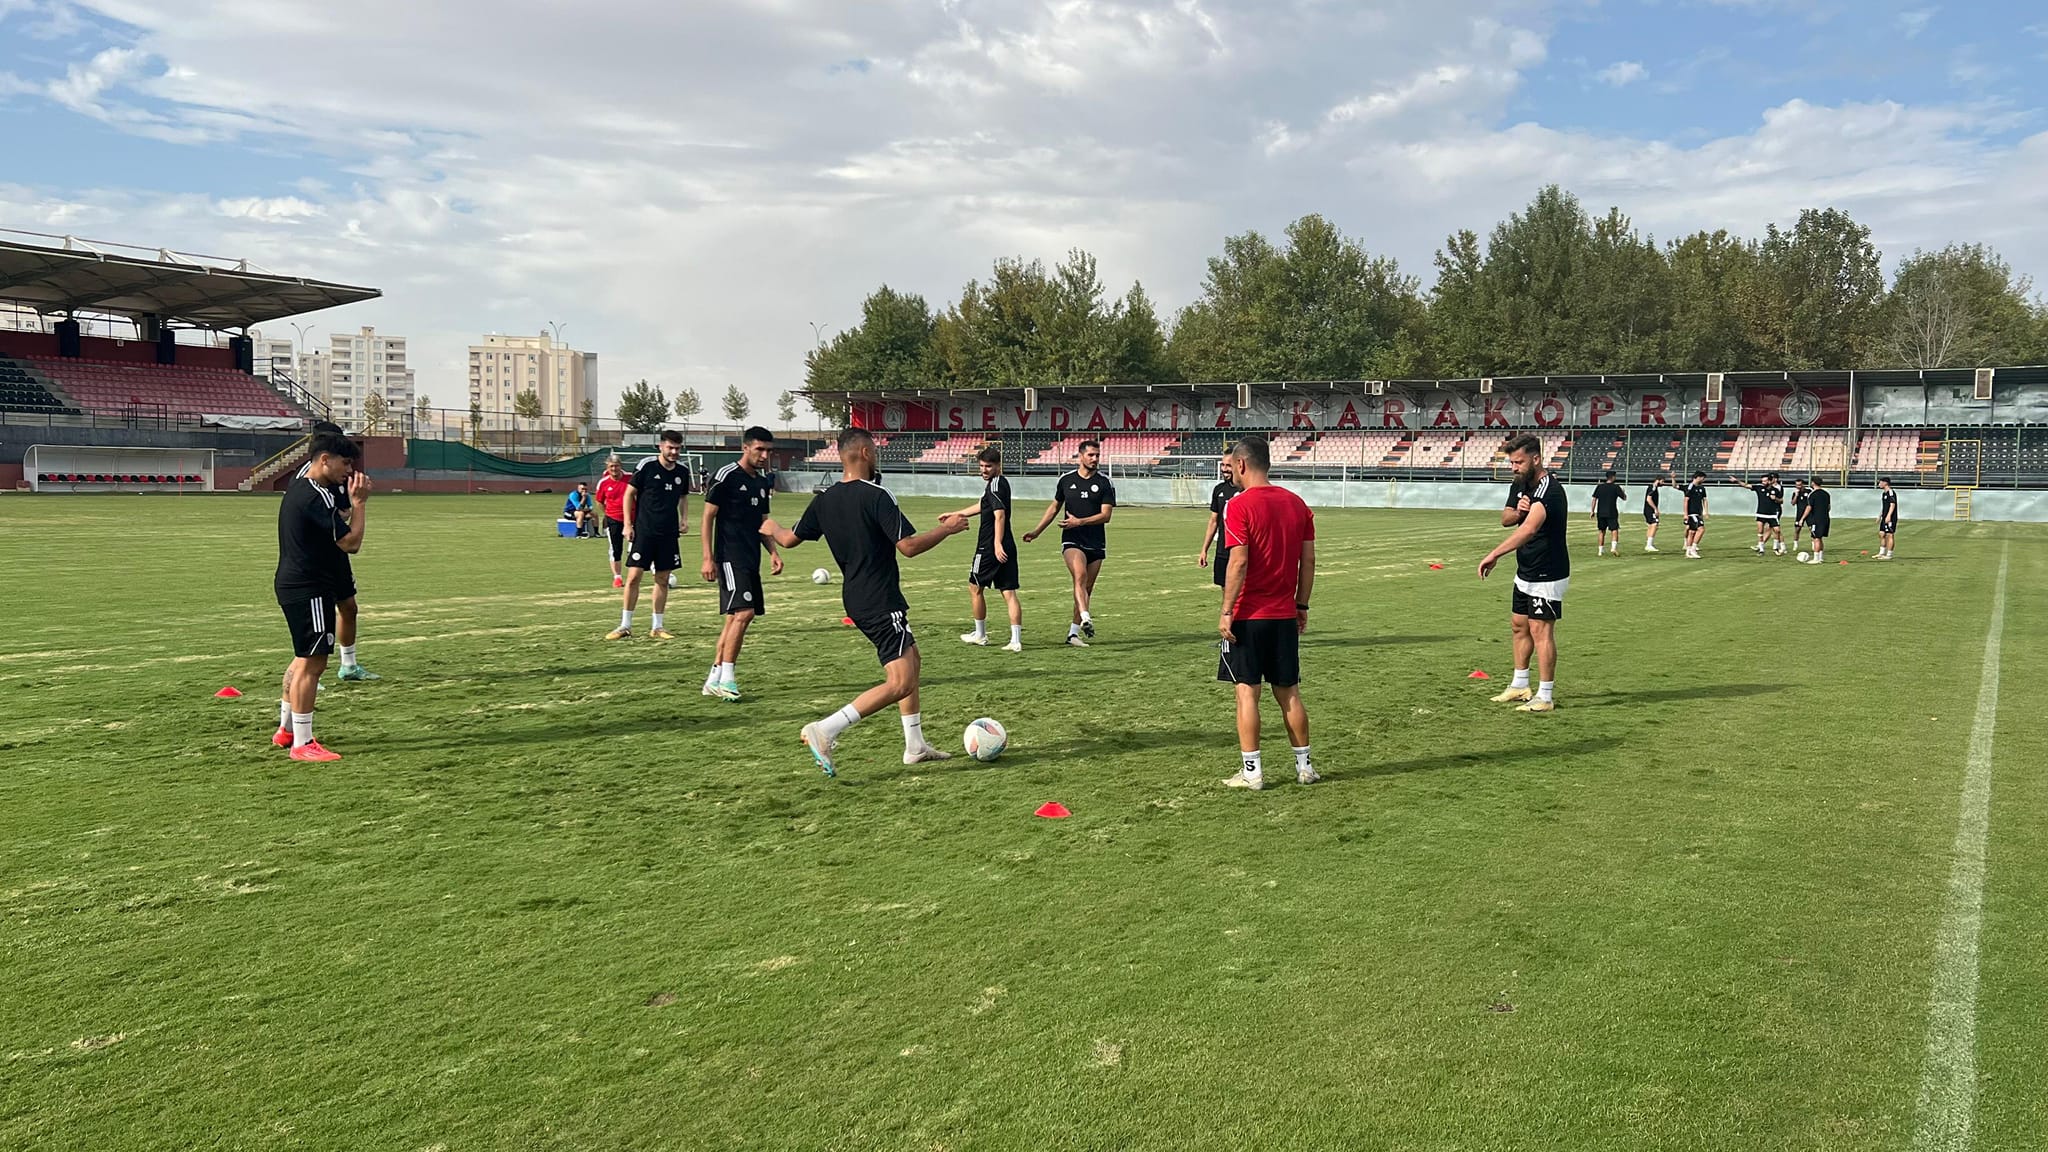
x=1911 y=24
x=1622 y=73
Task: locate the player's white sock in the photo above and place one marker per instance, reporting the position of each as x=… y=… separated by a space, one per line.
x=727 y=673
x=1301 y=763
x=980 y=628
x=348 y=655
x=302 y=729
x=1521 y=678
x=1087 y=619
x=654 y=621
x=284 y=713
x=1016 y=634
x=838 y=722
x=1073 y=630
x=626 y=618
x=1543 y=689
x=1252 y=767
x=913 y=732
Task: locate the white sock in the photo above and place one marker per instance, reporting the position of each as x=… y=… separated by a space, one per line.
x=626 y=618
x=348 y=655
x=654 y=621
x=1252 y=767
x=1521 y=678
x=727 y=673
x=1301 y=763
x=980 y=629
x=1543 y=689
x=1016 y=634
x=1073 y=630
x=284 y=713
x=839 y=722
x=913 y=732
x=302 y=728
x=1087 y=619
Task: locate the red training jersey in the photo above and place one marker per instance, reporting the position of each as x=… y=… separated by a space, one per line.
x=1270 y=524
x=612 y=494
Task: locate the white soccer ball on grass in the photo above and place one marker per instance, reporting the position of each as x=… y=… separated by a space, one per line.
x=985 y=739
x=821 y=576
x=1802 y=557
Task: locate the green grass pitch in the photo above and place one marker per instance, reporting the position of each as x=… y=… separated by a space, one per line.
x=555 y=898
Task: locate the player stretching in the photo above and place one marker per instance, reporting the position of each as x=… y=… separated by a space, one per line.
x=1770 y=505
x=1089 y=500
x=314 y=541
x=1537 y=511
x=657 y=508
x=611 y=496
x=860 y=522
x=1271 y=535
x=995 y=553
x=1799 y=495
x=1819 y=505
x=1607 y=498
x=1650 y=513
x=1887 y=518
x=345 y=609
x=1219 y=499
x=1695 y=514
x=734 y=506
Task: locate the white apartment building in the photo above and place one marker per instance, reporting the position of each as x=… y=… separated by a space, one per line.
x=353 y=366
x=503 y=367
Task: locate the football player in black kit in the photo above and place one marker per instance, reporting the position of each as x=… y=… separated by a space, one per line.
x=1695 y=514
x=1770 y=506
x=995 y=553
x=1219 y=499
x=1887 y=518
x=1607 y=498
x=1817 y=517
x=315 y=538
x=1650 y=516
x=1089 y=500
x=1539 y=514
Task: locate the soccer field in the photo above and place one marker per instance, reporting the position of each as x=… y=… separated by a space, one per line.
x=553 y=897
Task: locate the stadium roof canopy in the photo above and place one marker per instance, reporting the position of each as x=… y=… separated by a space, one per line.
x=199 y=291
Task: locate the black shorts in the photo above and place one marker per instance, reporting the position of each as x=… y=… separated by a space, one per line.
x=1818 y=529
x=1092 y=551
x=615 y=532
x=1888 y=526
x=1266 y=651
x=1536 y=607
x=1607 y=522
x=1767 y=521
x=312 y=623
x=739 y=588
x=1649 y=517
x=1692 y=521
x=1222 y=566
x=655 y=553
x=985 y=571
x=890 y=635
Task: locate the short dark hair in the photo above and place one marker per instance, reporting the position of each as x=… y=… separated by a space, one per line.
x=1817 y=482
x=329 y=427
x=1698 y=475
x=757 y=435
x=990 y=455
x=1610 y=473
x=1254 y=452
x=1885 y=480
x=334 y=444
x=1523 y=442
x=854 y=436
x=671 y=436
x=1086 y=445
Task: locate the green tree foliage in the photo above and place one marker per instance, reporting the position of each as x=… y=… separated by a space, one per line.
x=735 y=403
x=785 y=407
x=422 y=414
x=526 y=405
x=1959 y=306
x=1818 y=297
x=688 y=404
x=1712 y=273
x=642 y=408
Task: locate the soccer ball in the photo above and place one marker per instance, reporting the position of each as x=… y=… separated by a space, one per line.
x=821 y=577
x=1802 y=557
x=985 y=739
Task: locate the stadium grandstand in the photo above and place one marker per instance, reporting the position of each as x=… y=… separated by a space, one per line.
x=177 y=405
x=1958 y=431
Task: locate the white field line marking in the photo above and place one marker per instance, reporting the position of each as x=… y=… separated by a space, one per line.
x=1948 y=1081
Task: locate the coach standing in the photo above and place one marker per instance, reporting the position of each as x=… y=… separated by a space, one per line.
x=1271 y=535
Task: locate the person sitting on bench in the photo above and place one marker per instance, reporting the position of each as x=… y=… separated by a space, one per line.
x=578 y=508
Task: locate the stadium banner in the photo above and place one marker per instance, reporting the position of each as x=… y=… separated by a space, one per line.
x=452 y=456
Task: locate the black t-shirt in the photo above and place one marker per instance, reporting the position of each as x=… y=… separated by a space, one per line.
x=661 y=491
x=1607 y=498
x=1085 y=496
x=1696 y=498
x=1818 y=502
x=1219 y=498
x=309 y=562
x=996 y=495
x=1888 y=506
x=1799 y=501
x=1770 y=499
x=1650 y=497
x=742 y=502
x=860 y=522
x=1544 y=557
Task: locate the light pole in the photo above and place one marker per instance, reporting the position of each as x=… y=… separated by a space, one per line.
x=299 y=353
x=554 y=351
x=817 y=346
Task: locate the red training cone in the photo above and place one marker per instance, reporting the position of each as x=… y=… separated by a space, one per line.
x=1845 y=563
x=1053 y=810
x=228 y=693
x=846 y=620
x=1436 y=567
x=1478 y=675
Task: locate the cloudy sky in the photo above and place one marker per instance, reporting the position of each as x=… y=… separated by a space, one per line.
x=690 y=186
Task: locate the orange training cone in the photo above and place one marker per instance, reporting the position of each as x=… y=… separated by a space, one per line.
x=228 y=693
x=847 y=621
x=1845 y=563
x=1477 y=674
x=1436 y=567
x=1053 y=810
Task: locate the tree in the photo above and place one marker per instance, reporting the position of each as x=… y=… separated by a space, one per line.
x=1712 y=273
x=422 y=414
x=735 y=403
x=1137 y=349
x=688 y=405
x=1818 y=296
x=1959 y=307
x=476 y=420
x=588 y=416
x=376 y=409
x=785 y=407
x=642 y=408
x=526 y=406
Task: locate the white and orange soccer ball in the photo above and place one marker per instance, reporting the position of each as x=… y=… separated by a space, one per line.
x=985 y=739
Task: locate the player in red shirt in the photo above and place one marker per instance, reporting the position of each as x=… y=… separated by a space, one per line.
x=611 y=496
x=1272 y=539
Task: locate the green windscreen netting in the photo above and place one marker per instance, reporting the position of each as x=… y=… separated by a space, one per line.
x=453 y=456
